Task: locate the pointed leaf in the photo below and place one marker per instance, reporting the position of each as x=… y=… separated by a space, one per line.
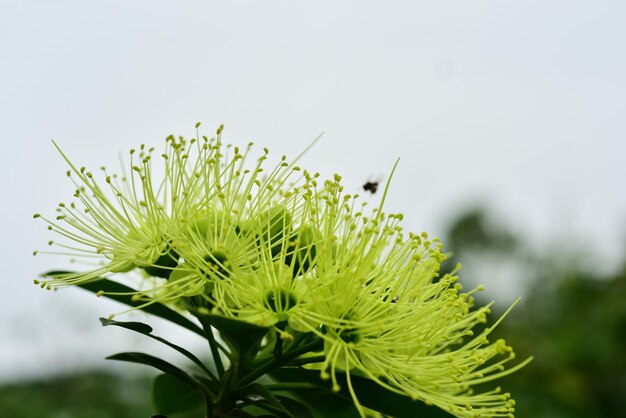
x=243 y=336
x=157 y=363
x=146 y=329
x=282 y=406
x=238 y=413
x=170 y=395
x=139 y=327
x=323 y=403
x=114 y=290
x=369 y=393
x=268 y=398
x=296 y=408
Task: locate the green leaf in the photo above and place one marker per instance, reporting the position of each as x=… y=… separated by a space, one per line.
x=269 y=401
x=139 y=327
x=257 y=396
x=157 y=363
x=146 y=329
x=265 y=406
x=123 y=294
x=369 y=393
x=170 y=395
x=243 y=336
x=323 y=404
x=296 y=408
x=238 y=413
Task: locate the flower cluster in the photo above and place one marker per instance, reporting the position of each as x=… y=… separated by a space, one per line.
x=286 y=250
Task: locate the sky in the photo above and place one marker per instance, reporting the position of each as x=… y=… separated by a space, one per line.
x=516 y=105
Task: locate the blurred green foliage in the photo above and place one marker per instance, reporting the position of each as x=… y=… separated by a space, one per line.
x=573 y=321
x=575 y=325
x=84 y=395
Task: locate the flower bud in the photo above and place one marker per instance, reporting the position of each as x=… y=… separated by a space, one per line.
x=216 y=265
x=302 y=250
x=188 y=282
x=163 y=266
x=273 y=229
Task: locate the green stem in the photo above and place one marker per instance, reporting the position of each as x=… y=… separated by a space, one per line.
x=208 y=402
x=278 y=347
x=277 y=362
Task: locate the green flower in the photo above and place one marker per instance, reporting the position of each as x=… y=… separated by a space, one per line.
x=256 y=245
x=286 y=250
x=122 y=223
x=382 y=313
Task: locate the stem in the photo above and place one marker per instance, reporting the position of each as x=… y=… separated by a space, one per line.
x=278 y=347
x=275 y=363
x=208 y=402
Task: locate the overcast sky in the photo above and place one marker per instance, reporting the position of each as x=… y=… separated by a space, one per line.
x=515 y=104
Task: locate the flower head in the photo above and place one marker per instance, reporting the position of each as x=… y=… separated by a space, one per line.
x=286 y=250
x=125 y=223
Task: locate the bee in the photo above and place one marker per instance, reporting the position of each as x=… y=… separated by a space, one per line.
x=371 y=186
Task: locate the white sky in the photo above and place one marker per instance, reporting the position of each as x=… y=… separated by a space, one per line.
x=518 y=104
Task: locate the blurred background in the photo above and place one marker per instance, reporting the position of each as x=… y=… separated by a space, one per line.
x=507 y=118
